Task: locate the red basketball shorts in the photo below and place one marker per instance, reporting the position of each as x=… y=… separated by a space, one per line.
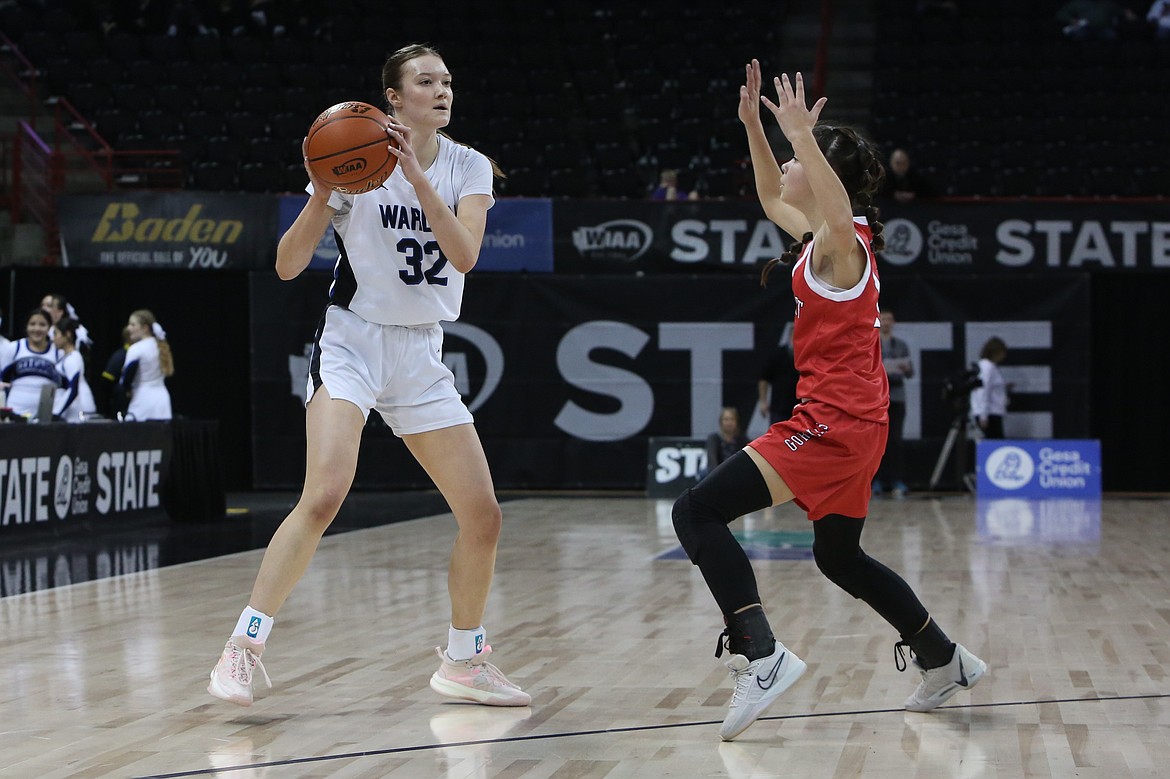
x=826 y=457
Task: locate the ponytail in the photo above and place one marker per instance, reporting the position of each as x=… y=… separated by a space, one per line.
x=786 y=259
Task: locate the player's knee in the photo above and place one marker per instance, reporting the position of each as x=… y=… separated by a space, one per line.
x=842 y=568
x=483 y=525
x=684 y=525
x=691 y=516
x=321 y=502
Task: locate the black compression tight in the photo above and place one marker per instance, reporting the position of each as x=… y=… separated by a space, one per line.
x=837 y=551
x=701 y=517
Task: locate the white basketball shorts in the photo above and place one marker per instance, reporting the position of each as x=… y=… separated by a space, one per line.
x=396 y=370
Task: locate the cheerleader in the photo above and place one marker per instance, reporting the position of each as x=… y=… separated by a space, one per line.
x=68 y=405
x=30 y=363
x=148 y=363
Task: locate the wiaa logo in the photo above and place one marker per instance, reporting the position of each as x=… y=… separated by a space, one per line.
x=1010 y=467
x=356 y=165
x=617 y=239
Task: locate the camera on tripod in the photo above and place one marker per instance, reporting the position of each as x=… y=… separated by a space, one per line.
x=957 y=387
x=957 y=391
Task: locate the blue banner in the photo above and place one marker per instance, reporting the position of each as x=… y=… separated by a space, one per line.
x=518 y=236
x=1052 y=468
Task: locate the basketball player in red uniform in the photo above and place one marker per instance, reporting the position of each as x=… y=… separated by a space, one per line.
x=824 y=458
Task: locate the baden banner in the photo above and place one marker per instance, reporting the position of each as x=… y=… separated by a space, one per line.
x=179 y=230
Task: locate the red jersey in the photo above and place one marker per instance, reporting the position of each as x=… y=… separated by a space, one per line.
x=835 y=341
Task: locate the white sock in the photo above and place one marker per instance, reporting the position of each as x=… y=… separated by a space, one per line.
x=253 y=624
x=465 y=644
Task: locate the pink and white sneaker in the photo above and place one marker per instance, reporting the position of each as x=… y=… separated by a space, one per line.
x=476 y=680
x=231 y=679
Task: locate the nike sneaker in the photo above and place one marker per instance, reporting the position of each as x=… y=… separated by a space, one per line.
x=938 y=684
x=757 y=684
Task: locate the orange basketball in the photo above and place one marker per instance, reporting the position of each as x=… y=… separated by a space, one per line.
x=348 y=148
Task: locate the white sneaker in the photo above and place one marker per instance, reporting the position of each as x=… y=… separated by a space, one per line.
x=757 y=684
x=938 y=684
x=231 y=679
x=476 y=680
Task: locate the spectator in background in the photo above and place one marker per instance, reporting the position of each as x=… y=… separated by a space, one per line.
x=1159 y=16
x=148 y=364
x=3 y=339
x=903 y=183
x=899 y=367
x=728 y=440
x=989 y=401
x=1092 y=20
x=114 y=398
x=668 y=188
x=57 y=306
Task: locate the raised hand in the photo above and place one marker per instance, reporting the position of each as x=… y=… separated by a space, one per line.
x=404 y=151
x=321 y=190
x=790 y=108
x=749 y=94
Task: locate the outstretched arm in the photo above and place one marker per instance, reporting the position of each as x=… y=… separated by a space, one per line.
x=838 y=258
x=764 y=167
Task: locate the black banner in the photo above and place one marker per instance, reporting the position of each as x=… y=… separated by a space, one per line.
x=56 y=477
x=929 y=237
x=171 y=230
x=568 y=377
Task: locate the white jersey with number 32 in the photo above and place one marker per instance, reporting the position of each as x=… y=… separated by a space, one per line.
x=390 y=270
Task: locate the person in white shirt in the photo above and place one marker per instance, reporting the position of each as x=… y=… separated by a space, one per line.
x=405 y=248
x=148 y=364
x=989 y=401
x=67 y=405
x=28 y=364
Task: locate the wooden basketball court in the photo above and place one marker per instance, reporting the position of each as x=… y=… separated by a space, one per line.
x=598 y=616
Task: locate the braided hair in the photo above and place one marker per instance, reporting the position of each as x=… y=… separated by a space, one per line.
x=855 y=160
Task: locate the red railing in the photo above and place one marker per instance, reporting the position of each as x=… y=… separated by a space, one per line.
x=37 y=177
x=69 y=156
x=22 y=74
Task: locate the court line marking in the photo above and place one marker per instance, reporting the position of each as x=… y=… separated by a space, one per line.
x=629 y=729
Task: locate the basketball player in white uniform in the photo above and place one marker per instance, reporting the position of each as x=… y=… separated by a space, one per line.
x=405 y=248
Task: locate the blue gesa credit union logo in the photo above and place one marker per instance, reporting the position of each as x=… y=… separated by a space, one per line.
x=253 y=627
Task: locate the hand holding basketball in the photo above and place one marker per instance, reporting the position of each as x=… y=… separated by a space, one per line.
x=348 y=148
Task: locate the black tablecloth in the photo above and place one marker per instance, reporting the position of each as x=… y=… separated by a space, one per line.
x=195 y=490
